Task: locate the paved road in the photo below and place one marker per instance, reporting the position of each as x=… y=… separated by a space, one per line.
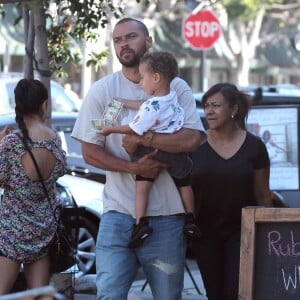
x=85 y=287
x=190 y=292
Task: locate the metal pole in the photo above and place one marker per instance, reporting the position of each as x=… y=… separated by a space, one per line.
x=203 y=81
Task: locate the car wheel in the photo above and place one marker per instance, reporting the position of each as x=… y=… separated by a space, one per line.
x=86 y=249
x=85 y=233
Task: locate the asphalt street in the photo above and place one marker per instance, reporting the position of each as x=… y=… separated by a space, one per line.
x=193 y=286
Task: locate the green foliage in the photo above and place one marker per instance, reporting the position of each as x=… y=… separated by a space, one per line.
x=60 y=50
x=72 y=23
x=97 y=59
x=2 y=11
x=245 y=9
x=89 y=15
x=234 y=8
x=77 y=21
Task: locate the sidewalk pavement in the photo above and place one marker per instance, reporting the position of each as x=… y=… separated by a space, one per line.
x=192 y=286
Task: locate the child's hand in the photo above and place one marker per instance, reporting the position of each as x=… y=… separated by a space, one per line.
x=123 y=100
x=130 y=104
x=105 y=130
x=6 y=130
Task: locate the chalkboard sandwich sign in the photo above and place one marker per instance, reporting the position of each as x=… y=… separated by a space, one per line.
x=270 y=254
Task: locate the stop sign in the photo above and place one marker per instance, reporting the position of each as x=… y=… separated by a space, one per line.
x=201 y=29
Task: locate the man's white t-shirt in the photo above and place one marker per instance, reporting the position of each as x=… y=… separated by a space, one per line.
x=119 y=190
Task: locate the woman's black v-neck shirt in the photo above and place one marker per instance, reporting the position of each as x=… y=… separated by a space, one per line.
x=222 y=187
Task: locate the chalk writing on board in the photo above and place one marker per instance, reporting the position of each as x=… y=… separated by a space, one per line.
x=277 y=246
x=288 y=246
x=291 y=280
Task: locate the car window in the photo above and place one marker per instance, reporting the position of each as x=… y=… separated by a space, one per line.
x=10 y=86
x=74 y=147
x=70 y=145
x=202 y=117
x=60 y=100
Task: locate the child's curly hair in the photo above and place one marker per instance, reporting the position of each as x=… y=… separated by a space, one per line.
x=161 y=62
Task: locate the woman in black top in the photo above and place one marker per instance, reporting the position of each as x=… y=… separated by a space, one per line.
x=231 y=171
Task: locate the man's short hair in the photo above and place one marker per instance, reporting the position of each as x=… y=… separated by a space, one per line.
x=140 y=23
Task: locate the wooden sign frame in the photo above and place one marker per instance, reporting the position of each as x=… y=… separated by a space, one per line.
x=250 y=217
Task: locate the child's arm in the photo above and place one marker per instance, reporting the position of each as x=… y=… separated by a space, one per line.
x=107 y=130
x=131 y=104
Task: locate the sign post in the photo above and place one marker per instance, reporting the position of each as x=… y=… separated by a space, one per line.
x=201 y=30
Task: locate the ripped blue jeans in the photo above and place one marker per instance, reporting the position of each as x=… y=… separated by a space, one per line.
x=161 y=256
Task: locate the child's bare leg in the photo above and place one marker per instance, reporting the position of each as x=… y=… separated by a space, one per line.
x=141 y=230
x=141 y=198
x=191 y=229
x=187 y=197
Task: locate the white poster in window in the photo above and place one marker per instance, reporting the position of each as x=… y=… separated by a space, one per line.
x=277 y=127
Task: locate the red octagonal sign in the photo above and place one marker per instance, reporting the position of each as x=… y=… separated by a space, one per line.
x=201 y=29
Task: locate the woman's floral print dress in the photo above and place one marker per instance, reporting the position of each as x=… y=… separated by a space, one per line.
x=27 y=225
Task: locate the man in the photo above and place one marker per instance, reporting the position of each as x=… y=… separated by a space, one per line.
x=162 y=255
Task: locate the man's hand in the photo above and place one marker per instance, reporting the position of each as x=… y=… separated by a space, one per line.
x=149 y=167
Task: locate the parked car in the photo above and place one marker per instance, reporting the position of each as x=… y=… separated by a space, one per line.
x=64 y=123
x=60 y=101
x=276 y=109
x=77 y=189
x=266 y=95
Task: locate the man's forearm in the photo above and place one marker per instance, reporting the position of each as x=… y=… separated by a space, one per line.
x=185 y=140
x=100 y=158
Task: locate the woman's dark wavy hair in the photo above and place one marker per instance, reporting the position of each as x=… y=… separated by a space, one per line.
x=29 y=95
x=234 y=97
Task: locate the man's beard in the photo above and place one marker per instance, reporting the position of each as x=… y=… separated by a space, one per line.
x=130 y=63
x=135 y=60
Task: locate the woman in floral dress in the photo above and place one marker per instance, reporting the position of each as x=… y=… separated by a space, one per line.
x=27 y=224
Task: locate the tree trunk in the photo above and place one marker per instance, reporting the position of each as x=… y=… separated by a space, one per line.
x=29 y=42
x=41 y=53
x=243 y=69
